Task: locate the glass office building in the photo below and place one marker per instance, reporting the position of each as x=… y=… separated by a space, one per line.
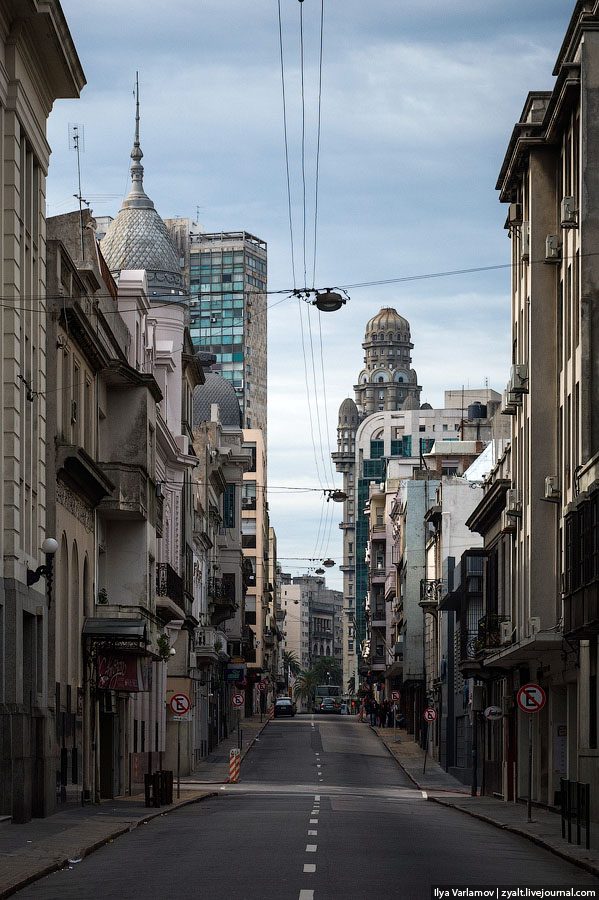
x=226 y=274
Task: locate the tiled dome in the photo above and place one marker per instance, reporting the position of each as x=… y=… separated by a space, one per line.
x=387 y=319
x=138 y=239
x=216 y=390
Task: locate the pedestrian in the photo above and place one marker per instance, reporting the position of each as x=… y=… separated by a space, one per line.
x=374 y=710
x=362 y=711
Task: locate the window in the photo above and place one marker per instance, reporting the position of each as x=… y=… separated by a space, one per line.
x=229 y=506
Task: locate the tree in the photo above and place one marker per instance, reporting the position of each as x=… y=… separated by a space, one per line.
x=305 y=687
x=327 y=670
x=291 y=665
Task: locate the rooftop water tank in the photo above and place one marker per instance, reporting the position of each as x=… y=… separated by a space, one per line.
x=477 y=410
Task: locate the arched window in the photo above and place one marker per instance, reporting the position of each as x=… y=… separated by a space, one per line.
x=74 y=618
x=61 y=602
x=374 y=337
x=87 y=604
x=380 y=379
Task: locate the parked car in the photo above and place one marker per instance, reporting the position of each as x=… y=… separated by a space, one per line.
x=284 y=706
x=329 y=705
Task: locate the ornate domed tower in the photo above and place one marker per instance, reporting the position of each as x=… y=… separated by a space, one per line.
x=138 y=239
x=387 y=380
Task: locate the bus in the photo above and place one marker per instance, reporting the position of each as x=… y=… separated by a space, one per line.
x=327 y=690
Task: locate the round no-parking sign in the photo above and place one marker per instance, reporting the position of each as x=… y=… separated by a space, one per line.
x=531 y=698
x=237 y=700
x=430 y=714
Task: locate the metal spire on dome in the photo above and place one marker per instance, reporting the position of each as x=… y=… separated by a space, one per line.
x=137 y=197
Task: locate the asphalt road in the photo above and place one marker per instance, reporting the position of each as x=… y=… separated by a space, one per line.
x=322 y=813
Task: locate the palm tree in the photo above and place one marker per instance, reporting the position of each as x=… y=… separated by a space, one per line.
x=291 y=664
x=305 y=687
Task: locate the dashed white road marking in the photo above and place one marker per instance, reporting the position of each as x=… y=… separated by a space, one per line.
x=424 y=795
x=311 y=848
x=315 y=812
x=309 y=867
x=313 y=822
x=312 y=833
x=306 y=895
x=317 y=796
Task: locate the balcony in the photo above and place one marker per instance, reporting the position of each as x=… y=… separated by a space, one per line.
x=489 y=631
x=208 y=643
x=431 y=592
x=129 y=499
x=171 y=599
x=378 y=573
x=379 y=617
x=221 y=596
x=581 y=612
x=390 y=584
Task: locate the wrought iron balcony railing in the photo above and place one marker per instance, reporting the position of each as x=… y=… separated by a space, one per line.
x=430 y=591
x=169 y=584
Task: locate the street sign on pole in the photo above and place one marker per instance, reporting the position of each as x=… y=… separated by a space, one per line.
x=262 y=685
x=430 y=714
x=395 y=696
x=531 y=698
x=237 y=699
x=180 y=704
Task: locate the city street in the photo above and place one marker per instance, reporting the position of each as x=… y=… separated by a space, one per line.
x=322 y=812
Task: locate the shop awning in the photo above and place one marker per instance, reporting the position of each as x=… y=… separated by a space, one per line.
x=117 y=634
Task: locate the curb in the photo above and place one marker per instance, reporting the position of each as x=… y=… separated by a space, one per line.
x=533 y=838
x=87 y=851
x=411 y=777
x=394 y=758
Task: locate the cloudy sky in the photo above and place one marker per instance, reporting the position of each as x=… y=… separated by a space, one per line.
x=417 y=109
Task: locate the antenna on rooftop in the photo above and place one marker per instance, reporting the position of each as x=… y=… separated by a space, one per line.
x=77 y=143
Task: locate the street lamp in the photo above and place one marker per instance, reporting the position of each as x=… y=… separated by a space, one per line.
x=49 y=547
x=335 y=494
x=328 y=301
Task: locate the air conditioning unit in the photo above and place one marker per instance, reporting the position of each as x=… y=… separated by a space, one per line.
x=552 y=491
x=553 y=248
x=519 y=379
x=513 y=505
x=534 y=625
x=568 y=213
x=525 y=242
x=505 y=632
x=514 y=397
x=508 y=523
x=514 y=215
x=508 y=408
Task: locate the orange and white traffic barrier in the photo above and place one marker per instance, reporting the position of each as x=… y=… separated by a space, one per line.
x=234 y=765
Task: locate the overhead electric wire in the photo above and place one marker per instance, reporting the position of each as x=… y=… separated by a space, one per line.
x=286 y=146
x=303 y=344
x=303 y=152
x=318 y=142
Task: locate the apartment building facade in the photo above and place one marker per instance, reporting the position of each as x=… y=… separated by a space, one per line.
x=40 y=66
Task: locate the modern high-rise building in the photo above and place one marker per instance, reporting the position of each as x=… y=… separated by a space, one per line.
x=226 y=275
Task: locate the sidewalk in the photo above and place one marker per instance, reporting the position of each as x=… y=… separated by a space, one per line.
x=41 y=846
x=544 y=830
x=215 y=768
